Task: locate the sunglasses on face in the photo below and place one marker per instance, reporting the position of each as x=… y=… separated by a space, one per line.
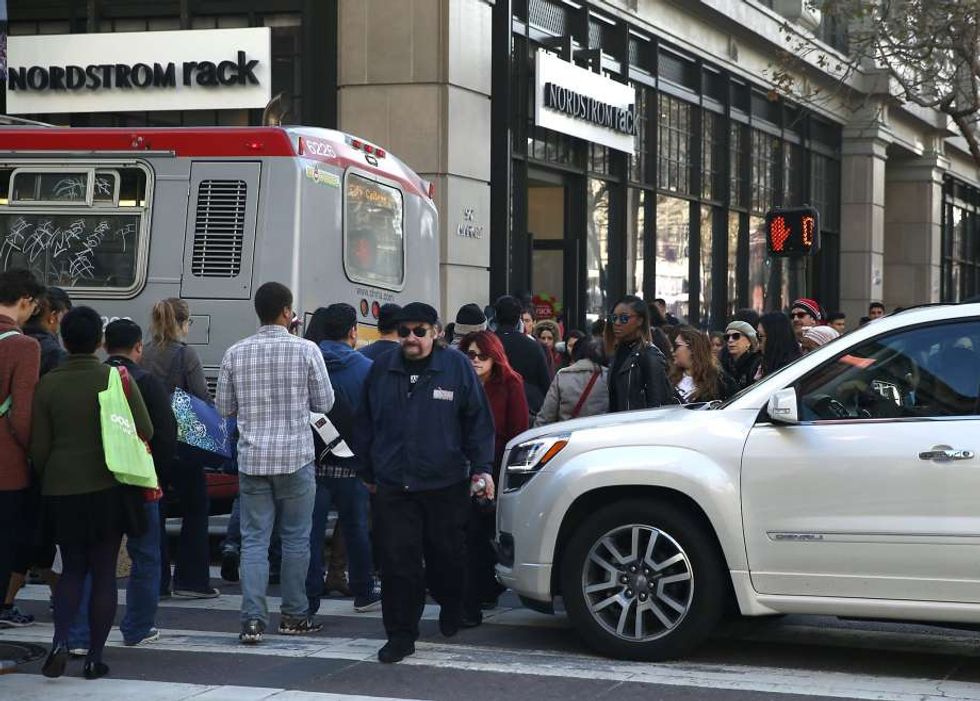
x=733 y=336
x=477 y=355
x=418 y=331
x=620 y=318
x=799 y=315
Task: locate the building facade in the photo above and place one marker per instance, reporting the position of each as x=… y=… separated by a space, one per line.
x=536 y=187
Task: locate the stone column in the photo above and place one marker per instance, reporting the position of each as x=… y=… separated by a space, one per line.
x=913 y=230
x=416 y=80
x=862 y=221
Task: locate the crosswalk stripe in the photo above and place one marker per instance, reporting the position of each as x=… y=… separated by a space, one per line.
x=29 y=688
x=329 y=607
x=461 y=657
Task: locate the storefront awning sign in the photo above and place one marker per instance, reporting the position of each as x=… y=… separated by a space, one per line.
x=584 y=104
x=207 y=69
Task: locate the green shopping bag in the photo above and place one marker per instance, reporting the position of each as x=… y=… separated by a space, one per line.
x=126 y=455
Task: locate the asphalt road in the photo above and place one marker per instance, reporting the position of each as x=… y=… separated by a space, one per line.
x=516 y=654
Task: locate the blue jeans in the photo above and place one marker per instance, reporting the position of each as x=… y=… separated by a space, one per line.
x=142 y=590
x=351 y=499
x=232 y=544
x=264 y=500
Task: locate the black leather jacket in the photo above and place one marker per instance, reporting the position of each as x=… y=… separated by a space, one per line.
x=638 y=378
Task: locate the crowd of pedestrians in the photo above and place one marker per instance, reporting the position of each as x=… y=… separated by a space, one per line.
x=403 y=437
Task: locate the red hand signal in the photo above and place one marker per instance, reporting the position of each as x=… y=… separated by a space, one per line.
x=778 y=233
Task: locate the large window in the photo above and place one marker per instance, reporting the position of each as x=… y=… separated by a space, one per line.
x=673 y=265
x=597 y=250
x=674 y=157
x=81 y=228
x=960 y=242
x=636 y=233
x=374 y=239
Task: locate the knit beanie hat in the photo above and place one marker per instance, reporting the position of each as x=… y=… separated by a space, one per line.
x=744 y=328
x=469 y=319
x=821 y=334
x=811 y=307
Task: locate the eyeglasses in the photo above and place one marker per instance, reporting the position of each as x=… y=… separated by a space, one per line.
x=799 y=315
x=733 y=336
x=477 y=355
x=418 y=331
x=620 y=318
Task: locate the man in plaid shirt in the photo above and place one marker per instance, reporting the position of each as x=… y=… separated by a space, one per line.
x=271 y=382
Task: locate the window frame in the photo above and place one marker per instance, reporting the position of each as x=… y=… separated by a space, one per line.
x=386 y=182
x=97 y=209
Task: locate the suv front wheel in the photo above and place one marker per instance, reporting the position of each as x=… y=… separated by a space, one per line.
x=643 y=580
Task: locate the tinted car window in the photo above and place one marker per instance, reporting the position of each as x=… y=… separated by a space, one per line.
x=929 y=371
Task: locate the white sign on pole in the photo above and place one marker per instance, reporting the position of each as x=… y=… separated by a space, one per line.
x=207 y=69
x=581 y=103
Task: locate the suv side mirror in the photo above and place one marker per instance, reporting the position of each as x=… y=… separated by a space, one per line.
x=782 y=407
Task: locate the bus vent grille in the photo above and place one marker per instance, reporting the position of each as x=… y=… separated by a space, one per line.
x=219 y=229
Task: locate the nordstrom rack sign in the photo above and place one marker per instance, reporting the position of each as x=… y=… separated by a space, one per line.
x=139 y=71
x=584 y=104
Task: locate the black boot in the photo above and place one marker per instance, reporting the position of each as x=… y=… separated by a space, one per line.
x=94 y=670
x=54 y=665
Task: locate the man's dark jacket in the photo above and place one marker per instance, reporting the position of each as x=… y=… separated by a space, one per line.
x=438 y=436
x=157 y=400
x=526 y=356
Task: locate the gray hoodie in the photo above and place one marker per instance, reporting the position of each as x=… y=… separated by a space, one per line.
x=567 y=388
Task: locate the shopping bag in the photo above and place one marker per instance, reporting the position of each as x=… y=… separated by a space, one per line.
x=203 y=436
x=126 y=455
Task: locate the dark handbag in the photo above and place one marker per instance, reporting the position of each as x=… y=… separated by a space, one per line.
x=585 y=393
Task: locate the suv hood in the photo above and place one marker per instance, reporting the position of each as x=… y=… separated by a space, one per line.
x=622 y=418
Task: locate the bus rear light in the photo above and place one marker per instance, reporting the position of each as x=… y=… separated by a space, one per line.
x=356 y=144
x=367 y=148
x=254 y=145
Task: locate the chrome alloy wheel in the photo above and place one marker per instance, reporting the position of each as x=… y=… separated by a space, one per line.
x=638 y=582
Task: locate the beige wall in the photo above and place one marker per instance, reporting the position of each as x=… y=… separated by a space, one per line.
x=417 y=82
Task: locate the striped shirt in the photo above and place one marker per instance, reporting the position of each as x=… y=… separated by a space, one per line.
x=272 y=381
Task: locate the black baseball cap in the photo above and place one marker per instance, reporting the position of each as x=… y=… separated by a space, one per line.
x=420 y=312
x=388 y=317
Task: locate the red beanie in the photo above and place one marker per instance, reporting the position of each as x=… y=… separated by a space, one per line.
x=810 y=306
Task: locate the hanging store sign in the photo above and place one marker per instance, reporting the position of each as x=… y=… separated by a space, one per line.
x=584 y=104
x=208 y=69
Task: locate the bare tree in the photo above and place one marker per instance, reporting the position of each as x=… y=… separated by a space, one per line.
x=929 y=49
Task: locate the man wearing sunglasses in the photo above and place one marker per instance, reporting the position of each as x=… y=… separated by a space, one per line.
x=424 y=432
x=805 y=313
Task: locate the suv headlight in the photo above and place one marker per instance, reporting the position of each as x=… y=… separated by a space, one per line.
x=527 y=458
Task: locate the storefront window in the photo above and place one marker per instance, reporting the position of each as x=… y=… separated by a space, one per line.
x=673 y=239
x=734 y=220
x=711 y=156
x=961 y=253
x=635 y=235
x=792 y=175
x=641 y=148
x=597 y=250
x=674 y=157
x=707 y=231
x=763 y=168
x=758 y=264
x=737 y=164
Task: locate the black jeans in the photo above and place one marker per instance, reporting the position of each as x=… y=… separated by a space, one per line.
x=191 y=570
x=421 y=536
x=12 y=532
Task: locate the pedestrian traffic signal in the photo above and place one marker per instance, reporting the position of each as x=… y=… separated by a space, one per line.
x=793 y=232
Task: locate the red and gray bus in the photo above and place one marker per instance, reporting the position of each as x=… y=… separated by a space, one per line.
x=124 y=217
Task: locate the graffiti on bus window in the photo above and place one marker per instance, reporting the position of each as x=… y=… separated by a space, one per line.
x=72 y=250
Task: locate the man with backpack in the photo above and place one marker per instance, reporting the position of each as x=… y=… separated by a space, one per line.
x=20 y=362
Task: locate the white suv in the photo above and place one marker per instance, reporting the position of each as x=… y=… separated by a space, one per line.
x=845 y=484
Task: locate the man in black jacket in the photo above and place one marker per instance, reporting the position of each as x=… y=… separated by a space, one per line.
x=524 y=354
x=124 y=345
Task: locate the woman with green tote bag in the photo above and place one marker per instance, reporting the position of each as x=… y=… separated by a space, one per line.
x=86 y=509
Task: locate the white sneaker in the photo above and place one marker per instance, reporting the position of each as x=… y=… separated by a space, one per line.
x=150 y=637
x=78 y=652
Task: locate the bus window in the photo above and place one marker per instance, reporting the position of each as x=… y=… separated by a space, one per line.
x=374 y=238
x=72 y=243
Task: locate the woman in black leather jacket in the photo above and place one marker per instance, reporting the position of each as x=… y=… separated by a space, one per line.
x=638 y=373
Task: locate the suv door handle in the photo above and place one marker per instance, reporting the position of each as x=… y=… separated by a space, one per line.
x=947 y=454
